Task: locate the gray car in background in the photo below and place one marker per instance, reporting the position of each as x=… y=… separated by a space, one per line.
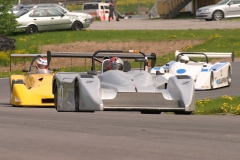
x=83 y=17
x=223 y=9
x=47 y=19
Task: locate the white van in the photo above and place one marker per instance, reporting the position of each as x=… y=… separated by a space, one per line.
x=96 y=9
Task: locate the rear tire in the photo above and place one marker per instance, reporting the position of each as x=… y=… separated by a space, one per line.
x=76 y=26
x=31 y=29
x=76 y=96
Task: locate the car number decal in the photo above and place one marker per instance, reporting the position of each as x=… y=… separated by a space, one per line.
x=222 y=80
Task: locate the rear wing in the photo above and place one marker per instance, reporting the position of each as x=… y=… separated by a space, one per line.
x=208 y=54
x=128 y=54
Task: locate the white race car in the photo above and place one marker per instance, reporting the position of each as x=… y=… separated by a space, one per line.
x=205 y=75
x=121 y=90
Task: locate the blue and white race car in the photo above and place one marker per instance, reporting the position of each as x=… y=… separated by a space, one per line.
x=205 y=75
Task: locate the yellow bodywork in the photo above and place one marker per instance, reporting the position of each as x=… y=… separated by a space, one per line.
x=31 y=90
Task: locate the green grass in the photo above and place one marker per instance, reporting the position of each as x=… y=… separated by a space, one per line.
x=213 y=40
x=221 y=105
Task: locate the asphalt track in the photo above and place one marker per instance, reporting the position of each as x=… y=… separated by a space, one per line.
x=43 y=133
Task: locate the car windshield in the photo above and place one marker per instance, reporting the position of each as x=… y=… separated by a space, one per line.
x=223 y=2
x=90 y=6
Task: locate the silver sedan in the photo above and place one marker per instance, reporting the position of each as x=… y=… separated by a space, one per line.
x=223 y=9
x=47 y=19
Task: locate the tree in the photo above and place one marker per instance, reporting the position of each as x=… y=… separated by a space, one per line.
x=8 y=21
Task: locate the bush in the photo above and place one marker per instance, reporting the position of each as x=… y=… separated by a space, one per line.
x=8 y=20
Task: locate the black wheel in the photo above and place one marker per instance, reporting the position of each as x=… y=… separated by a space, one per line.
x=55 y=91
x=31 y=29
x=76 y=96
x=150 y=112
x=211 y=80
x=183 y=113
x=218 y=15
x=77 y=26
x=229 y=77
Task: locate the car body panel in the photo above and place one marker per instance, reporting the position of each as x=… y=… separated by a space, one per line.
x=133 y=90
x=201 y=71
x=38 y=95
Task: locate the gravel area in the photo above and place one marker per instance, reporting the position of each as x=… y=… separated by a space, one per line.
x=160 y=24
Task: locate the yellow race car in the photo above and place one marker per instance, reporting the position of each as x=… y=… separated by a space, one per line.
x=34 y=88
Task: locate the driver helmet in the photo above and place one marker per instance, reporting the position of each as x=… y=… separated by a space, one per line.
x=42 y=65
x=184 y=59
x=115 y=63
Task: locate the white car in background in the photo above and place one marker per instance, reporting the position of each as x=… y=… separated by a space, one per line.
x=223 y=9
x=85 y=18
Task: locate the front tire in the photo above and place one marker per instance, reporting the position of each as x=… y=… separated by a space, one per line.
x=76 y=96
x=211 y=80
x=229 y=77
x=218 y=15
x=32 y=29
x=55 y=91
x=76 y=26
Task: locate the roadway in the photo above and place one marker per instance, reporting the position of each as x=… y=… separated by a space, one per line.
x=43 y=133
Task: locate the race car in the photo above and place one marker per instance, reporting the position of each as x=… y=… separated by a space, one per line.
x=121 y=90
x=34 y=88
x=206 y=75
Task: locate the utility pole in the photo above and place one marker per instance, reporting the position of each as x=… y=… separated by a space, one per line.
x=138 y=6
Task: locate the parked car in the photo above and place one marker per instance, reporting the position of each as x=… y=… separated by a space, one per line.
x=223 y=9
x=48 y=19
x=83 y=17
